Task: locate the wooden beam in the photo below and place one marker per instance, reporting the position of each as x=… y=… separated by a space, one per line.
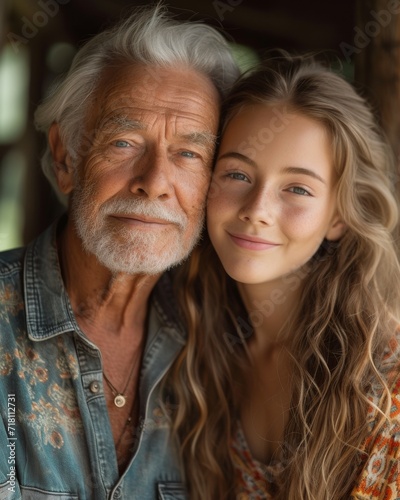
x=377 y=61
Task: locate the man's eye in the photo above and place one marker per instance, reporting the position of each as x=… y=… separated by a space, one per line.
x=121 y=144
x=188 y=154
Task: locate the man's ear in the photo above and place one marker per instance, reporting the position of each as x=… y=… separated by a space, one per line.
x=62 y=164
x=336 y=230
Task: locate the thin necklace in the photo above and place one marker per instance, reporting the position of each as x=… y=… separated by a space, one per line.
x=120 y=397
x=127 y=423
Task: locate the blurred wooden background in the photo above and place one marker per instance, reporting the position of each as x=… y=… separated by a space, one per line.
x=38 y=38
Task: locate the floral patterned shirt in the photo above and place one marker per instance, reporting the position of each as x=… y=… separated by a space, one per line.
x=56 y=441
x=380 y=471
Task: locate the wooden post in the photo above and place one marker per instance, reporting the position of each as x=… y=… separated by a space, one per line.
x=377 y=62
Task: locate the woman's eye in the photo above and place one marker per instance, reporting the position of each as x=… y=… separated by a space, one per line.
x=121 y=144
x=238 y=176
x=299 y=190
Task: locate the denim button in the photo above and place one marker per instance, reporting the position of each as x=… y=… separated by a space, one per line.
x=117 y=494
x=94 y=387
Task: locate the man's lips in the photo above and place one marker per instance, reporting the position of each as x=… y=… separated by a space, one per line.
x=135 y=220
x=251 y=242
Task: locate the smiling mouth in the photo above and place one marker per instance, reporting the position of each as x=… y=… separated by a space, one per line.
x=252 y=242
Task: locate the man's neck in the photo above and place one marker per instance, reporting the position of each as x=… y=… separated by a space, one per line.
x=116 y=303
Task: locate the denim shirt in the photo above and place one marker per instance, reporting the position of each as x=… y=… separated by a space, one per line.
x=56 y=441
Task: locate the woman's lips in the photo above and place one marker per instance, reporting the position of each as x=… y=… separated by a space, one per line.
x=251 y=242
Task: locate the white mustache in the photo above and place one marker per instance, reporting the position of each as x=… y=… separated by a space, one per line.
x=137 y=206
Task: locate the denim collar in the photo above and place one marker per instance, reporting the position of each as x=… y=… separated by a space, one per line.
x=48 y=308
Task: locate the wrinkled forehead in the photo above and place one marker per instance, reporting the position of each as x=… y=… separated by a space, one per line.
x=143 y=88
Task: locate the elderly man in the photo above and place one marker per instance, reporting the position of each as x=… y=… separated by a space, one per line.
x=88 y=324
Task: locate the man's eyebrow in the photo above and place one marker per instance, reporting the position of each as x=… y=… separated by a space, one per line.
x=303 y=171
x=125 y=123
x=205 y=139
x=238 y=156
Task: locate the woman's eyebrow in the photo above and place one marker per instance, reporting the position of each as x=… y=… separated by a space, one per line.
x=238 y=156
x=286 y=170
x=303 y=171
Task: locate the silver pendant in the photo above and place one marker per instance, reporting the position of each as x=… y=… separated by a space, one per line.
x=119 y=400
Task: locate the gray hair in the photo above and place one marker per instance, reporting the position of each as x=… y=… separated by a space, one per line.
x=148 y=36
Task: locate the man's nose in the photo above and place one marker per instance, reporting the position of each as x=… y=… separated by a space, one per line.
x=153 y=177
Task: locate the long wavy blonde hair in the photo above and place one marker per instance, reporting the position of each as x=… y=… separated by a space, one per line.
x=348 y=311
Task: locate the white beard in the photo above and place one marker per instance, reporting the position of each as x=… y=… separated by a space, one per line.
x=132 y=250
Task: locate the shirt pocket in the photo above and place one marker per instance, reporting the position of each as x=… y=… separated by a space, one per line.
x=38 y=494
x=171 y=491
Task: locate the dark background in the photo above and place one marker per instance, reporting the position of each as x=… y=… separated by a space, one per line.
x=42 y=44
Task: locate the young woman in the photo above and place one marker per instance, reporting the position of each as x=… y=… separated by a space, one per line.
x=292 y=365
x=292 y=371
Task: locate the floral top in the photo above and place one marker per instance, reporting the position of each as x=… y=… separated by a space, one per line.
x=380 y=471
